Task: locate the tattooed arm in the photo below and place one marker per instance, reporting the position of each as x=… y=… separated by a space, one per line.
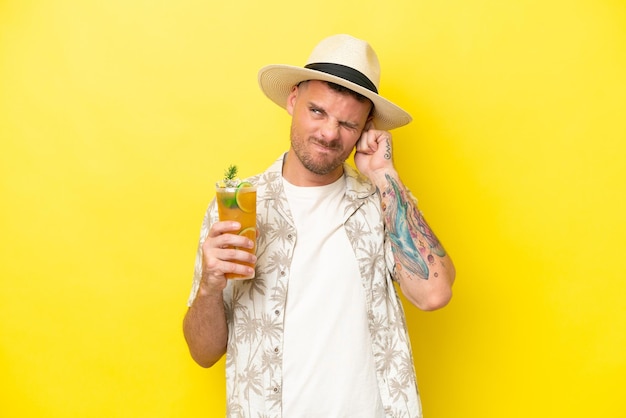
x=423 y=269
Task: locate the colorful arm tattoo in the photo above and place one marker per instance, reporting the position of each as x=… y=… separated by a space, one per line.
x=413 y=243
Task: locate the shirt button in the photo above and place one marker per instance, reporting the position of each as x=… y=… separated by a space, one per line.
x=282 y=273
x=275 y=389
x=276 y=350
x=277 y=312
x=290 y=236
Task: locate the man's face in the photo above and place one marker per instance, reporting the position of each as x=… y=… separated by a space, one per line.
x=325 y=126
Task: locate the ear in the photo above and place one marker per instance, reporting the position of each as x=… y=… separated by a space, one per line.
x=291 y=100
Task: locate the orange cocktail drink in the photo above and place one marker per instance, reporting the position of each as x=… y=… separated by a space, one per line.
x=239 y=204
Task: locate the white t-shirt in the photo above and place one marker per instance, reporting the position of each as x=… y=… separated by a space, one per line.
x=328 y=368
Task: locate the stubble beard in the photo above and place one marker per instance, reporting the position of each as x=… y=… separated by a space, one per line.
x=320 y=166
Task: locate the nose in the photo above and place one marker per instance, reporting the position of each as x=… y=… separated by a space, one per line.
x=329 y=129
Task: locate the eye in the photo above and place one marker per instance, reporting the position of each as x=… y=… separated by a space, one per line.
x=350 y=126
x=316 y=110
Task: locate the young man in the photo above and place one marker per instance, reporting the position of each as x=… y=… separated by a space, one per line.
x=320 y=331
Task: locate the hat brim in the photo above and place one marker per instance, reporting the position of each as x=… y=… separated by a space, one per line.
x=276 y=82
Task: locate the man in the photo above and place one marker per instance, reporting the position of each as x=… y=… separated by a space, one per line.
x=320 y=331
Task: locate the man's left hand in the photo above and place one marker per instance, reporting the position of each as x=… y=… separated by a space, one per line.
x=374 y=153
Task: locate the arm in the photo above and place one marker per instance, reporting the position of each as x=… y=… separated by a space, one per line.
x=422 y=267
x=204 y=326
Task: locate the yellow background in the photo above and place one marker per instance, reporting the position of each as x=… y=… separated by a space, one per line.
x=117 y=116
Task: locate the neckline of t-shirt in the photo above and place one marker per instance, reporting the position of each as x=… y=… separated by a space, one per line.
x=314 y=191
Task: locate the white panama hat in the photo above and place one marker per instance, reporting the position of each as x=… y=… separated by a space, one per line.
x=340 y=59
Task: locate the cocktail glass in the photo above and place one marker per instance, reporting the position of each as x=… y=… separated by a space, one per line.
x=238 y=203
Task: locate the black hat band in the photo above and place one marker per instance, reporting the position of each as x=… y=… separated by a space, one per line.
x=345 y=72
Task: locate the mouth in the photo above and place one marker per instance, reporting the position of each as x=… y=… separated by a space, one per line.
x=325 y=146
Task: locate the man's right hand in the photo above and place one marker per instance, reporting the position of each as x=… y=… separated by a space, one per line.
x=220 y=256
